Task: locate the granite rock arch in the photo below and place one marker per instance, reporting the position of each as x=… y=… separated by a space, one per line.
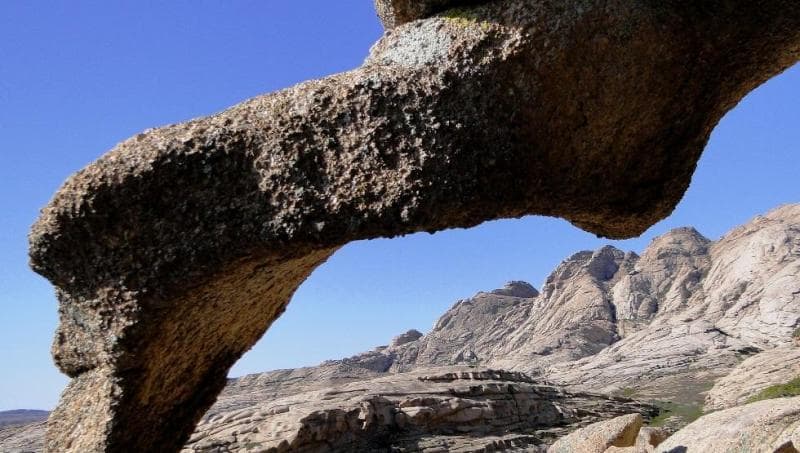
x=174 y=252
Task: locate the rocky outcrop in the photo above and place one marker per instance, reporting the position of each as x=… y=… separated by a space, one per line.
x=450 y=409
x=328 y=408
x=174 y=252
x=599 y=437
x=765 y=426
x=771 y=367
x=738 y=297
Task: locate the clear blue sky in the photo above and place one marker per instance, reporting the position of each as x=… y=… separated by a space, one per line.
x=78 y=76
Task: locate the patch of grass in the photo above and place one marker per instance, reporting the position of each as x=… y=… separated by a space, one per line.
x=791 y=388
x=252 y=445
x=687 y=413
x=627 y=392
x=465 y=17
x=461 y=13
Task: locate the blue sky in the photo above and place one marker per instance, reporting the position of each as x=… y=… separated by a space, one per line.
x=76 y=77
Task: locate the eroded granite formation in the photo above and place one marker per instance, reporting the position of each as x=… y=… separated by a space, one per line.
x=757 y=261
x=445 y=409
x=175 y=251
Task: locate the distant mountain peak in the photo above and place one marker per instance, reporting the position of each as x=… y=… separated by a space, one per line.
x=517 y=288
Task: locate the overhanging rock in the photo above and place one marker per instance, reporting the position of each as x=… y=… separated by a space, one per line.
x=174 y=252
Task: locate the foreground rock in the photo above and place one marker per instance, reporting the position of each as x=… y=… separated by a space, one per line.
x=765 y=426
x=599 y=437
x=397 y=12
x=329 y=409
x=763 y=370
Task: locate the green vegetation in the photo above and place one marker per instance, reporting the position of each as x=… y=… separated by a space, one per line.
x=461 y=13
x=465 y=17
x=687 y=413
x=627 y=392
x=796 y=333
x=791 y=388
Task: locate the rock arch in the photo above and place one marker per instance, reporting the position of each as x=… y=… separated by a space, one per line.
x=174 y=252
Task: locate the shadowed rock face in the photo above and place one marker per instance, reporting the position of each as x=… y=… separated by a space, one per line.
x=397 y=12
x=175 y=251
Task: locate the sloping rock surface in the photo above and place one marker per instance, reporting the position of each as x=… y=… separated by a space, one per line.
x=599 y=437
x=775 y=366
x=21 y=416
x=764 y=426
x=665 y=325
x=460 y=409
x=24 y=438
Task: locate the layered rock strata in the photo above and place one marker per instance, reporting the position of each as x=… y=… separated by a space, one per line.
x=450 y=409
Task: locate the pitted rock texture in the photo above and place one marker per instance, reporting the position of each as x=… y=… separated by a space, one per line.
x=175 y=251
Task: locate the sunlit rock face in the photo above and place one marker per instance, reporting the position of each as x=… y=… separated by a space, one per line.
x=175 y=251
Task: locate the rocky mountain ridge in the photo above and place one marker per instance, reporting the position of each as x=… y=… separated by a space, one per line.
x=688 y=309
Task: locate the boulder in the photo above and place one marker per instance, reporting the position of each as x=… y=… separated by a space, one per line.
x=599 y=437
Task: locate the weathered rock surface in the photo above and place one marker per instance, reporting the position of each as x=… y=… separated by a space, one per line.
x=327 y=408
x=463 y=409
x=22 y=430
x=775 y=366
x=397 y=12
x=599 y=437
x=174 y=252
x=611 y=286
x=23 y=438
x=764 y=426
x=739 y=297
x=665 y=325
